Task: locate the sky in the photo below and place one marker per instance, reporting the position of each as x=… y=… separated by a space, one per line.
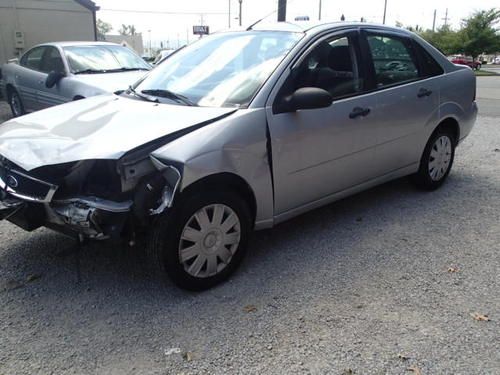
x=170 y=22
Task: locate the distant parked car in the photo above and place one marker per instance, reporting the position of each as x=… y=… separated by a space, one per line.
x=56 y=73
x=162 y=55
x=466 y=60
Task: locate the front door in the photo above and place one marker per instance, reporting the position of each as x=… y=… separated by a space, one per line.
x=318 y=152
x=29 y=77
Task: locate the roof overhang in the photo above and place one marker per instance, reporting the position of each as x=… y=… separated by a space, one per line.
x=90 y=5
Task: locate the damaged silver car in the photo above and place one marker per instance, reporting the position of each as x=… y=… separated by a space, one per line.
x=238 y=131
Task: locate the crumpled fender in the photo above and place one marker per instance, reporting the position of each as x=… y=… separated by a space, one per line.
x=237 y=145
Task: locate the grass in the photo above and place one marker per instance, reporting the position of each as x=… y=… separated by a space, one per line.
x=483 y=73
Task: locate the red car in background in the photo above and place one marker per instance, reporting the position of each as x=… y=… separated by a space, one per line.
x=465 y=60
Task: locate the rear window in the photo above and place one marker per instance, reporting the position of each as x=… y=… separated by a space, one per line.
x=429 y=66
x=393 y=60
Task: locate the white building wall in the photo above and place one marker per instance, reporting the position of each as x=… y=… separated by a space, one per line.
x=42 y=21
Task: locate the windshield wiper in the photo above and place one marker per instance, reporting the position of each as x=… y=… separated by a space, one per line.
x=90 y=71
x=96 y=71
x=141 y=96
x=170 y=95
x=124 y=70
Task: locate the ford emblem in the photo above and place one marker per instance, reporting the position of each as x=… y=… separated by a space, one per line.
x=12 y=182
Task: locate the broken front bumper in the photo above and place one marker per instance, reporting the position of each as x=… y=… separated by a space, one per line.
x=29 y=203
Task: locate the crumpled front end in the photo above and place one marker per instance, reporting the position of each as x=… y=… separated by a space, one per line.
x=98 y=199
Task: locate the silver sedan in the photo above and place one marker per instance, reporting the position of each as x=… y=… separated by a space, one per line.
x=238 y=131
x=56 y=73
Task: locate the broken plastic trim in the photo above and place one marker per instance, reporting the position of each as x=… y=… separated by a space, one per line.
x=173 y=177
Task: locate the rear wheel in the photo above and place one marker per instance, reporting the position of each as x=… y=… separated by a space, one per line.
x=202 y=241
x=436 y=161
x=16 y=104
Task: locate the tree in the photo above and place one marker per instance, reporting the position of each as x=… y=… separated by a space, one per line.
x=103 y=28
x=127 y=30
x=479 y=34
x=445 y=39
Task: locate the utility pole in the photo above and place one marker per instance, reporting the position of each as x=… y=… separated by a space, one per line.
x=434 y=21
x=385 y=9
x=240 y=11
x=445 y=19
x=319 y=15
x=229 y=14
x=281 y=10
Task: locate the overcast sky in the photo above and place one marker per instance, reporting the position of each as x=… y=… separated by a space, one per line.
x=157 y=15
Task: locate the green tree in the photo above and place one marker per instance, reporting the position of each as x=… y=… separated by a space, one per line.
x=479 y=33
x=103 y=28
x=127 y=30
x=445 y=39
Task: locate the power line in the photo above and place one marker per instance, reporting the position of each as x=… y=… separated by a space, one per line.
x=160 y=12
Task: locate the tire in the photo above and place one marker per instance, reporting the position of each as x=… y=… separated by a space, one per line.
x=16 y=104
x=172 y=233
x=436 y=161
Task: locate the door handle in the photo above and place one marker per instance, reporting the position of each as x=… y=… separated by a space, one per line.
x=358 y=111
x=424 y=92
x=40 y=82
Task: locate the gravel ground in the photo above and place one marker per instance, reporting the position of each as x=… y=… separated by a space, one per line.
x=385 y=282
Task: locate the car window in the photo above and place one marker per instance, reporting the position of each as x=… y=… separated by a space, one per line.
x=52 y=61
x=33 y=58
x=222 y=70
x=429 y=66
x=393 y=60
x=333 y=66
x=104 y=57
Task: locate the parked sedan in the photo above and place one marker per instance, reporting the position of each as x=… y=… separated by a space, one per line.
x=466 y=60
x=56 y=73
x=238 y=131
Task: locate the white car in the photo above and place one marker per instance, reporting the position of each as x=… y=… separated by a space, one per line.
x=56 y=73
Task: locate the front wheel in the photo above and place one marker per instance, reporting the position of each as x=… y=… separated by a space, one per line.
x=16 y=104
x=436 y=161
x=201 y=242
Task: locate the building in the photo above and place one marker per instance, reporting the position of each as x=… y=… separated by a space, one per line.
x=134 y=42
x=25 y=23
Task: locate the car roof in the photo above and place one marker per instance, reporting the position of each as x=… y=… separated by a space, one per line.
x=319 y=26
x=79 y=43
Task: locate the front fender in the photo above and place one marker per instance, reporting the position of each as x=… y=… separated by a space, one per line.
x=237 y=145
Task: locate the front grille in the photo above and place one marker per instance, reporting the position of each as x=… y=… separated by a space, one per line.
x=23 y=186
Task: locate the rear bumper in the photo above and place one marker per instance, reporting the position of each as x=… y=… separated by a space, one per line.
x=468 y=121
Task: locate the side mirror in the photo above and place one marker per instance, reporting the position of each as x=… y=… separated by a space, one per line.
x=53 y=78
x=308 y=98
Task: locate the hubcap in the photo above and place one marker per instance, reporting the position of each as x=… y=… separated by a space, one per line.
x=209 y=240
x=440 y=158
x=15 y=103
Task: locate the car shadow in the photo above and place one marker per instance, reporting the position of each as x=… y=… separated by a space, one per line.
x=298 y=247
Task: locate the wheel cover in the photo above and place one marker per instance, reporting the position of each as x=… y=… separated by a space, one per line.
x=209 y=240
x=440 y=158
x=15 y=103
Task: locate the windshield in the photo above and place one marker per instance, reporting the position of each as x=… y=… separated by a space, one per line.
x=221 y=70
x=102 y=58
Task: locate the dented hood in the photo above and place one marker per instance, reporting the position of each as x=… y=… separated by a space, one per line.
x=101 y=127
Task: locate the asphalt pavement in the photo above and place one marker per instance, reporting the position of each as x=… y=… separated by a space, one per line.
x=390 y=281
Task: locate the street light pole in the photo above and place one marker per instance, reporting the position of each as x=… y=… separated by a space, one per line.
x=281 y=10
x=385 y=9
x=319 y=15
x=229 y=13
x=240 y=11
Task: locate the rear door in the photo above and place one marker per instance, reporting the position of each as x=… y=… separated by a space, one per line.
x=407 y=97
